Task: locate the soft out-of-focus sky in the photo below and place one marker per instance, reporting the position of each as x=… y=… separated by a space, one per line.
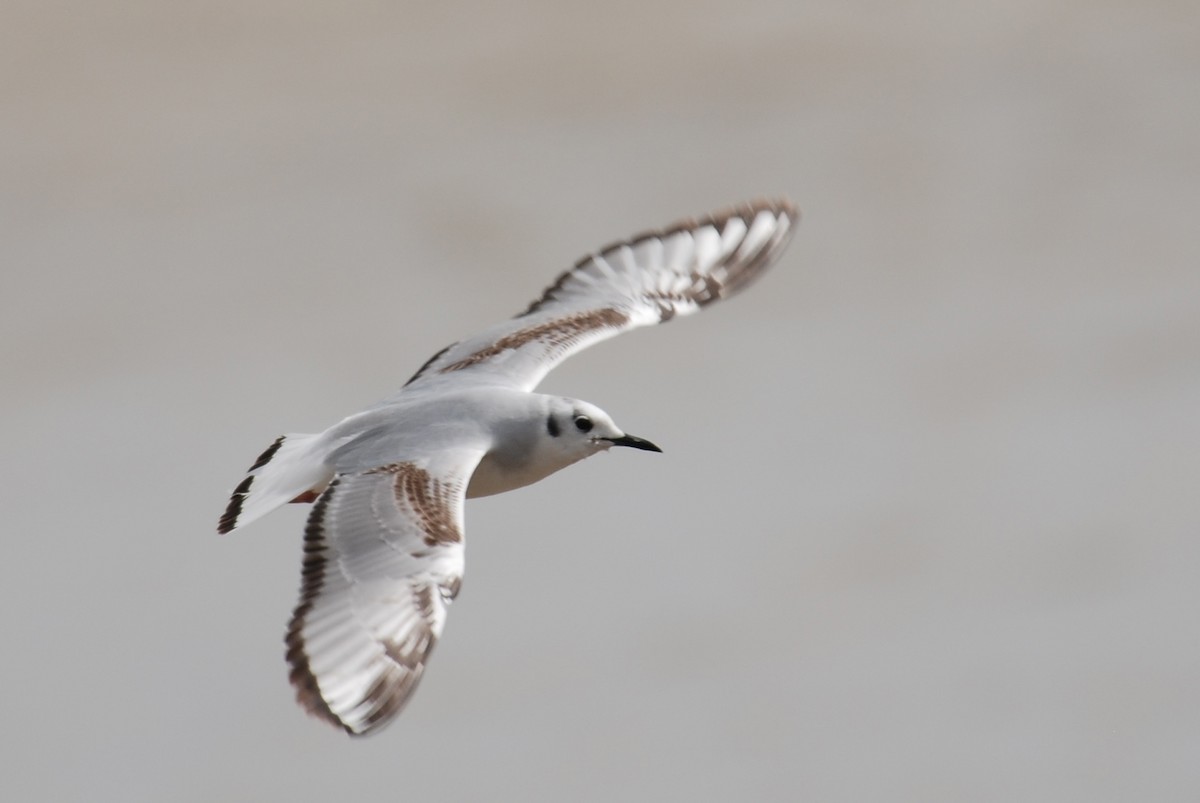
x=927 y=525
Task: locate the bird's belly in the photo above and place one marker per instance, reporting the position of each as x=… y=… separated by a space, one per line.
x=494 y=476
x=490 y=478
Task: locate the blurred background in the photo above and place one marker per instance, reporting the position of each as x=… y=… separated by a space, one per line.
x=927 y=524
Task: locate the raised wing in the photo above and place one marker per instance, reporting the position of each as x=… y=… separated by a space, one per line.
x=383 y=559
x=645 y=280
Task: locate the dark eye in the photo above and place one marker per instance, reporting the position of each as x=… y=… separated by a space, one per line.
x=583 y=423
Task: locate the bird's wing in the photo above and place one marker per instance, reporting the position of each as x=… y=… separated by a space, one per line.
x=645 y=280
x=383 y=558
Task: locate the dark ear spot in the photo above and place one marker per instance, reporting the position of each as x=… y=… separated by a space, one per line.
x=552 y=426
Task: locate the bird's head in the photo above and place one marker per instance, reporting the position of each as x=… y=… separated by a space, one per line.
x=582 y=429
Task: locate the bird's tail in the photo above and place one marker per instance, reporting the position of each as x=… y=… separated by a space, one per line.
x=289 y=470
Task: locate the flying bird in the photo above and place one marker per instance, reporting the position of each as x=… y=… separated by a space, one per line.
x=383 y=545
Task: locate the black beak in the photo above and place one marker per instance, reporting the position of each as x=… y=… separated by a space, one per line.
x=635 y=442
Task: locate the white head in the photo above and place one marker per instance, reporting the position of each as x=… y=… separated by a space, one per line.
x=577 y=430
x=553 y=433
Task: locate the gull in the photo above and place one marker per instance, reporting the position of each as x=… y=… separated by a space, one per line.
x=383 y=544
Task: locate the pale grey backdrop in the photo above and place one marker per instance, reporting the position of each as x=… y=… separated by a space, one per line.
x=926 y=527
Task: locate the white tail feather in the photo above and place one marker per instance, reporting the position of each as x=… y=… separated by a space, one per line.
x=288 y=468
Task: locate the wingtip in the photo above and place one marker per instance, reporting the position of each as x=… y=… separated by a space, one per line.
x=229 y=519
x=778 y=205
